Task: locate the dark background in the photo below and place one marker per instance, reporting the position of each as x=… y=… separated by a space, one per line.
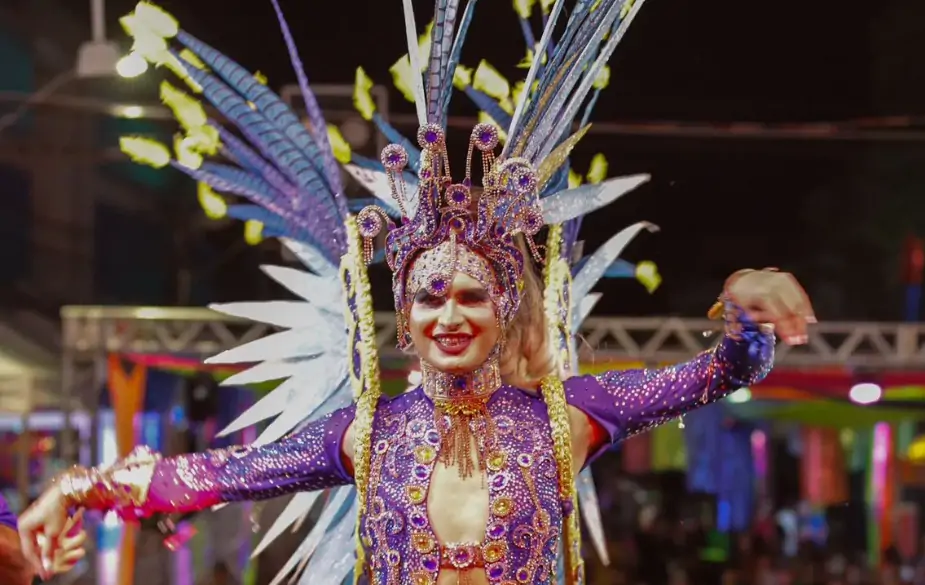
x=835 y=212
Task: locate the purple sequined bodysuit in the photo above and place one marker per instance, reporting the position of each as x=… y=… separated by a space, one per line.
x=525 y=513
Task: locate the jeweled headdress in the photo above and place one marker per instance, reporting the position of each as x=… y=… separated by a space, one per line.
x=451 y=224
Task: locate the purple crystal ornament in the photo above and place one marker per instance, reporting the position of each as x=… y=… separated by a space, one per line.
x=438 y=285
x=484 y=136
x=430 y=136
x=457 y=196
x=394 y=157
x=496 y=572
x=369 y=222
x=525 y=181
x=497 y=530
x=533 y=222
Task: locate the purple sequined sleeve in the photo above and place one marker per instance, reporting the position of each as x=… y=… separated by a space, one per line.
x=626 y=402
x=310 y=459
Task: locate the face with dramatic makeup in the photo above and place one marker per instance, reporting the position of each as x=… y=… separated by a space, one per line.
x=456 y=331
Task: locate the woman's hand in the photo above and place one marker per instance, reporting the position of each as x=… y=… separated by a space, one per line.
x=41 y=529
x=70 y=549
x=770 y=296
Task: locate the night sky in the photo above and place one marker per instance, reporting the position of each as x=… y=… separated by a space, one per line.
x=722 y=204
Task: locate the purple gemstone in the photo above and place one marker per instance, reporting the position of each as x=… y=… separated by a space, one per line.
x=496 y=531
x=524 y=180
x=420 y=472
x=496 y=572
x=522 y=574
x=430 y=563
x=460 y=383
x=438 y=284
x=459 y=196
x=425 y=174
x=461 y=556
x=432 y=437
x=499 y=481
x=430 y=136
x=485 y=136
x=418 y=520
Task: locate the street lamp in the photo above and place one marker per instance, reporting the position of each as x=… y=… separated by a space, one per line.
x=97 y=57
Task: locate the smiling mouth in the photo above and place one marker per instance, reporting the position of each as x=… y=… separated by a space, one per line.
x=453 y=344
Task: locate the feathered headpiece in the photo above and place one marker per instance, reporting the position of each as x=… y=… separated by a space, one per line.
x=443 y=217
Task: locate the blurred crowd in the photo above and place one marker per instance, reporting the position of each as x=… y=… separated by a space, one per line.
x=660 y=551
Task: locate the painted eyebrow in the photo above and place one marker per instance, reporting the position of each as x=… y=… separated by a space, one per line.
x=423 y=295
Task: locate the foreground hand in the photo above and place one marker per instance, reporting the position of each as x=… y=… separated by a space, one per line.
x=70 y=549
x=41 y=528
x=769 y=296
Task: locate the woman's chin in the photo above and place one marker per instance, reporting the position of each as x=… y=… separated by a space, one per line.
x=462 y=363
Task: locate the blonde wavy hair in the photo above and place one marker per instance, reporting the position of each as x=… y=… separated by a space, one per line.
x=528 y=355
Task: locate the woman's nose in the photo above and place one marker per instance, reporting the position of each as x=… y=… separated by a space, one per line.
x=450 y=317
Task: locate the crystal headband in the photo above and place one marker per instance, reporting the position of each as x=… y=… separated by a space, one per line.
x=446 y=212
x=434 y=270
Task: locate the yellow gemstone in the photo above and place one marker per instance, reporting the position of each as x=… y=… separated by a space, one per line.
x=494 y=552
x=496 y=460
x=425 y=454
x=502 y=507
x=415 y=494
x=420 y=578
x=422 y=542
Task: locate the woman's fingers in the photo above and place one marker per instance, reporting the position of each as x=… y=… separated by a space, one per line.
x=28 y=542
x=66 y=561
x=74 y=524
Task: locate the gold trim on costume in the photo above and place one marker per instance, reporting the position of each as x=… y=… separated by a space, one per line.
x=366 y=387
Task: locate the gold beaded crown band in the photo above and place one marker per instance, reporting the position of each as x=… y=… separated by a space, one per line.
x=449 y=229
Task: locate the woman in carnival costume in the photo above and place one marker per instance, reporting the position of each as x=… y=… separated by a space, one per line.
x=469 y=478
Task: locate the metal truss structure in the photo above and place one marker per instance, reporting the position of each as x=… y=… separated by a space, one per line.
x=91 y=333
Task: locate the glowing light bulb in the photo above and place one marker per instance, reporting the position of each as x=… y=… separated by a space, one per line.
x=132 y=112
x=132 y=65
x=865 y=393
x=740 y=396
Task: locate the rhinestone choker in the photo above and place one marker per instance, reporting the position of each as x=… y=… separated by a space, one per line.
x=461 y=412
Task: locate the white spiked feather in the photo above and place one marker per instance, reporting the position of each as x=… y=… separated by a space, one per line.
x=306 y=402
x=310 y=257
x=326 y=293
x=572 y=203
x=300 y=505
x=295 y=343
x=307 y=548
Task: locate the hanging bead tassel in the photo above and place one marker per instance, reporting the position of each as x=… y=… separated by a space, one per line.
x=456 y=437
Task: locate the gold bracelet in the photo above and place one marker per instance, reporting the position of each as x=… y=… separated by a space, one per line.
x=125 y=484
